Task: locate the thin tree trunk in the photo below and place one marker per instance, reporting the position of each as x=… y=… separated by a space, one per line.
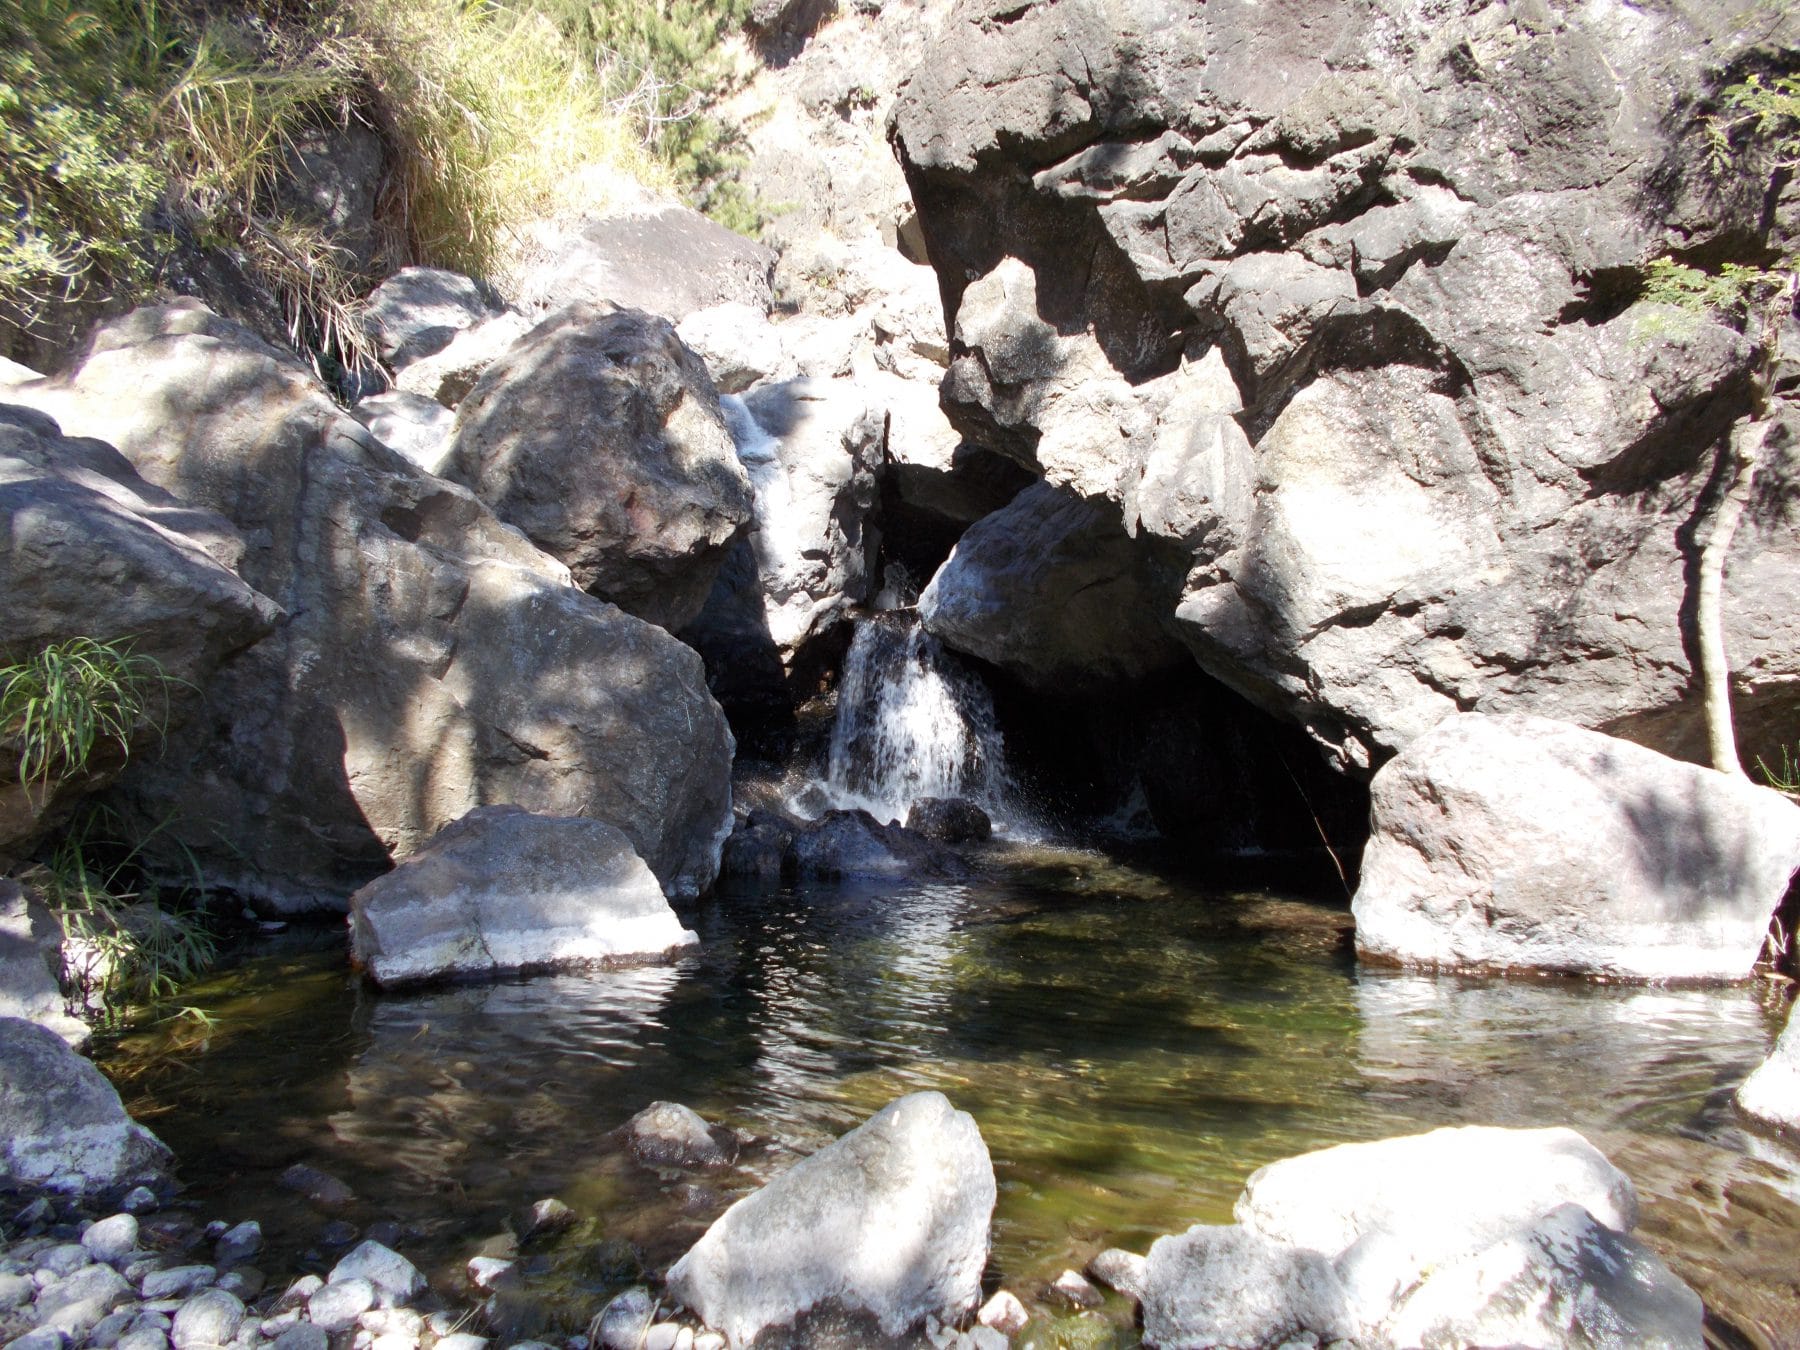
x=1744 y=452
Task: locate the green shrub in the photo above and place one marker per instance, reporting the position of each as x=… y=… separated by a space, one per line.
x=62 y=703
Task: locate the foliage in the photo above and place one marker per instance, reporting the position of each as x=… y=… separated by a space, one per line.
x=121 y=945
x=59 y=705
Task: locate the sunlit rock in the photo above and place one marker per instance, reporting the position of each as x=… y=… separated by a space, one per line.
x=1772 y=1093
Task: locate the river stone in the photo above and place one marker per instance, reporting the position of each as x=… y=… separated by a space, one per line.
x=143 y=1338
x=505 y=890
x=64 y=1258
x=89 y=549
x=1562 y=1280
x=177 y=1282
x=111 y=1239
x=891 y=1220
x=393 y=1276
x=238 y=1244
x=1231 y=1286
x=1512 y=841
x=339 y=1304
x=209 y=1318
x=302 y=1336
x=62 y=1126
x=77 y=1302
x=1772 y=1092
x=1119 y=1270
x=599 y=435
x=622 y=1324
x=40 y=1338
x=845 y=845
x=668 y=1134
x=498 y=681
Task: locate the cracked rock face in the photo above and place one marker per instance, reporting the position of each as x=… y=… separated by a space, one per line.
x=433 y=660
x=1340 y=305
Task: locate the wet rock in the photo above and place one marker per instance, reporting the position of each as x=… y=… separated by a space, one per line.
x=1072 y=1289
x=112 y=1238
x=319 y=1188
x=489 y=1272
x=599 y=435
x=915 y=1178
x=1772 y=1092
x=238 y=1244
x=62 y=1126
x=1563 y=1280
x=621 y=1325
x=1004 y=1313
x=849 y=844
x=302 y=1336
x=1231 y=1286
x=1120 y=1270
x=1515 y=841
x=544 y=1218
x=209 y=1318
x=667 y=1134
x=505 y=890
x=337 y=1306
x=396 y=1278
x=758 y=850
x=949 y=820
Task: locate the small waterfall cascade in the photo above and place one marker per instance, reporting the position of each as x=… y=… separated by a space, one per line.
x=910 y=724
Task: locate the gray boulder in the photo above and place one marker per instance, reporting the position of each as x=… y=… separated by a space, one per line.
x=1229 y=1286
x=505 y=890
x=434 y=661
x=31 y=965
x=62 y=1127
x=90 y=549
x=666 y=260
x=1518 y=842
x=599 y=435
x=1562 y=1280
x=1051 y=589
x=417 y=426
x=891 y=1221
x=1772 y=1092
x=1469 y=461
x=418 y=310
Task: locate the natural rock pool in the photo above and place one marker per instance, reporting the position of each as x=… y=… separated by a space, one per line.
x=1132 y=1045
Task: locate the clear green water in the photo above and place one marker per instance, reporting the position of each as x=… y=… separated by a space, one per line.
x=1131 y=1045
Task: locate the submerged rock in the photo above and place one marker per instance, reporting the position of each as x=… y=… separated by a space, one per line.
x=62 y=1126
x=505 y=890
x=1772 y=1093
x=1502 y=842
x=667 y=1134
x=891 y=1220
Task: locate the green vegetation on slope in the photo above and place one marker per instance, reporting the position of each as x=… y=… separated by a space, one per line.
x=127 y=126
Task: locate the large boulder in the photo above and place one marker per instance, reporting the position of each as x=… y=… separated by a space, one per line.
x=1469 y=462
x=1050 y=589
x=890 y=1221
x=664 y=259
x=62 y=1127
x=31 y=965
x=505 y=890
x=88 y=549
x=599 y=435
x=1519 y=842
x=1772 y=1093
x=433 y=661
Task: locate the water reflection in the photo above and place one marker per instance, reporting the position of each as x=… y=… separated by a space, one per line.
x=1131 y=1046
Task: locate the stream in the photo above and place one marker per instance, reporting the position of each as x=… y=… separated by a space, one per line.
x=1132 y=1042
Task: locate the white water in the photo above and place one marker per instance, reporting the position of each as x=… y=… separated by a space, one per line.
x=911 y=725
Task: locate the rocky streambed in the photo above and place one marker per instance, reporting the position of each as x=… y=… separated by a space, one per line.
x=1131 y=1045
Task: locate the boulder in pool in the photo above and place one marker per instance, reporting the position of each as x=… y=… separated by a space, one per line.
x=1772 y=1093
x=503 y=889
x=890 y=1222
x=1515 y=842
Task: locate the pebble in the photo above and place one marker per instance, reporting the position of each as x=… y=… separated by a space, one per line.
x=64 y=1259
x=623 y=1322
x=485 y=1272
x=546 y=1217
x=302 y=1336
x=339 y=1304
x=1118 y=1269
x=1004 y=1313
x=210 y=1317
x=111 y=1239
x=177 y=1282
x=1074 y=1289
x=237 y=1245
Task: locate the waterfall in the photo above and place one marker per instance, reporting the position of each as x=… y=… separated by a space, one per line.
x=910 y=724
